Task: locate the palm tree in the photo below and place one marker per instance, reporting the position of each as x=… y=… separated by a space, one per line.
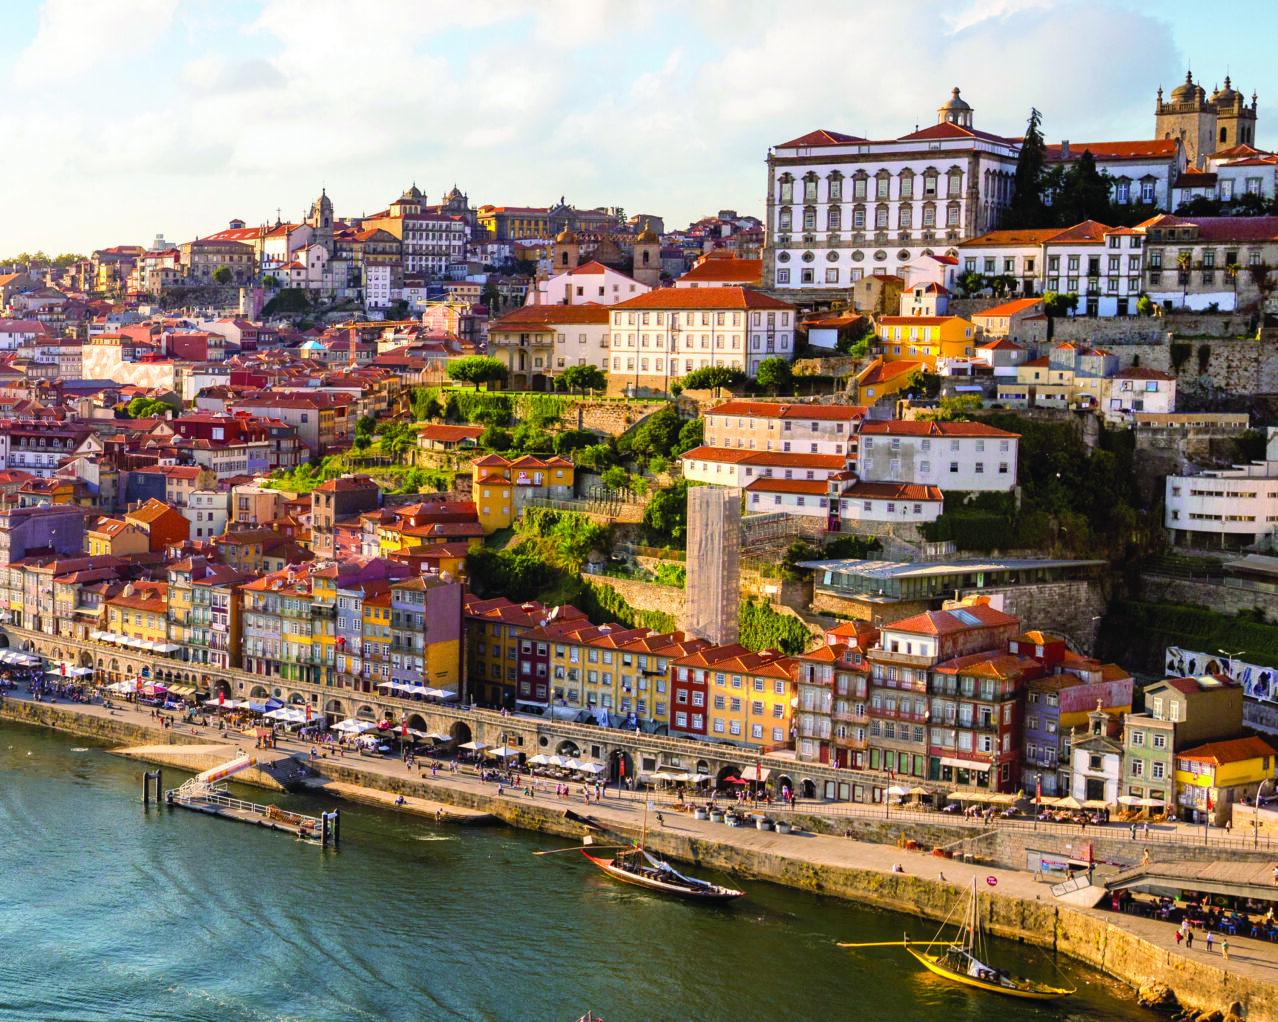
x=1184 y=260
x=1231 y=273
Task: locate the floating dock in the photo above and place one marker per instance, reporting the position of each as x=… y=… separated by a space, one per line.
x=203 y=794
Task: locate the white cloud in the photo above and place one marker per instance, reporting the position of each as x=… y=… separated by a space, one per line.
x=75 y=36
x=219 y=74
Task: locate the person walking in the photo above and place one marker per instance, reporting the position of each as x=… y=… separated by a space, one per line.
x=1134 y=838
x=1210 y=937
x=1189 y=939
x=1224 y=948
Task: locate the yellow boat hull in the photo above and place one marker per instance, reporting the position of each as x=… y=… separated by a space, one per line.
x=1009 y=988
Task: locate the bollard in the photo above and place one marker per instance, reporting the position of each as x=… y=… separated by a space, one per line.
x=337 y=828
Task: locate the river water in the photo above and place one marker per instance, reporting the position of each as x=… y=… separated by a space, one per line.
x=110 y=910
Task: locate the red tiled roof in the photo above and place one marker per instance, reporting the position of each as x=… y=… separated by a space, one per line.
x=703 y=298
x=948 y=129
x=1222 y=228
x=547 y=315
x=749 y=271
x=795 y=410
x=881 y=372
x=821 y=136
x=769 y=484
x=893 y=491
x=925 y=427
x=1141 y=373
x=783 y=459
x=1234 y=751
x=1155 y=148
x=1009 y=308
x=940 y=622
x=450 y=434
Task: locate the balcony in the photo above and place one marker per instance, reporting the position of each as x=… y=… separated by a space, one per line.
x=883 y=713
x=328 y=613
x=847 y=717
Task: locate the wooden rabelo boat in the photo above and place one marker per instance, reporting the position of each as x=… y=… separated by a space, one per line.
x=964 y=960
x=636 y=866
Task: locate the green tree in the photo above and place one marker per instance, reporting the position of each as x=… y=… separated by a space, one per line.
x=270 y=281
x=531 y=439
x=616 y=478
x=691 y=435
x=288 y=301
x=658 y=434
x=366 y=424
x=1084 y=193
x=970 y=282
x=573 y=440
x=713 y=377
x=1056 y=304
x=146 y=408
x=666 y=515
x=1027 y=208
x=223 y=275
x=584 y=378
x=477 y=369
x=494 y=438
x=1199 y=205
x=774 y=373
x=491 y=297
x=1145 y=305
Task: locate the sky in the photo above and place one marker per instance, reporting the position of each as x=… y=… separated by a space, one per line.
x=134 y=118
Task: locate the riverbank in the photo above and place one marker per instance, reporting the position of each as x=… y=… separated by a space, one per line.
x=1137 y=951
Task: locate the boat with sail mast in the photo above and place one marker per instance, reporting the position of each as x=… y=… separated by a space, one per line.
x=964 y=959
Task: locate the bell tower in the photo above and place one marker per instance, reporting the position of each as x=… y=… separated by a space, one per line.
x=647 y=258
x=321 y=219
x=566 y=252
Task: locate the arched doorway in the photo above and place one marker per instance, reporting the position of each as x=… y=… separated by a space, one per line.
x=621 y=766
x=4 y=641
x=366 y=713
x=567 y=748
x=220 y=688
x=703 y=767
x=296 y=699
x=460 y=732
x=417 y=722
x=258 y=692
x=782 y=782
x=721 y=778
x=807 y=788
x=334 y=706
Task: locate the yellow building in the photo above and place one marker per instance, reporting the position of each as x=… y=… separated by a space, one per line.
x=140 y=612
x=751 y=699
x=925 y=338
x=502 y=488
x=116 y=538
x=882 y=379
x=376 y=639
x=1211 y=778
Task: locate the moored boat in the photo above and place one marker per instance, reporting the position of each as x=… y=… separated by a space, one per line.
x=637 y=867
x=964 y=960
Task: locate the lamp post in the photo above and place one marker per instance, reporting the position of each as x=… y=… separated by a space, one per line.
x=1230 y=657
x=1255 y=814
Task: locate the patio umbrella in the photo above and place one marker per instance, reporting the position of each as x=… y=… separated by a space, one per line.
x=1129 y=800
x=1069 y=802
x=1047 y=800
x=539 y=760
x=599 y=768
x=1002 y=800
x=1095 y=803
x=918 y=791
x=968 y=796
x=1151 y=802
x=473 y=746
x=503 y=753
x=896 y=789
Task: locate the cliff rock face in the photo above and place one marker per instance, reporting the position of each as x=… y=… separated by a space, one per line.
x=1158 y=996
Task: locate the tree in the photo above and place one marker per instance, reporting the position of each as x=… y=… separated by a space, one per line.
x=1251 y=204
x=774 y=373
x=922 y=385
x=584 y=378
x=1027 y=207
x=1084 y=193
x=666 y=514
x=971 y=282
x=1199 y=205
x=288 y=301
x=531 y=439
x=658 y=433
x=616 y=478
x=491 y=297
x=691 y=435
x=366 y=424
x=494 y=438
x=271 y=281
x=713 y=377
x=1056 y=304
x=146 y=408
x=1145 y=305
x=477 y=369
x=573 y=440
x=223 y=275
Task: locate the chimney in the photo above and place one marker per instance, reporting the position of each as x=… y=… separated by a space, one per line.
x=1064 y=149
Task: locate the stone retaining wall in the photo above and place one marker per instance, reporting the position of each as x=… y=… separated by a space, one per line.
x=645 y=595
x=1209 y=595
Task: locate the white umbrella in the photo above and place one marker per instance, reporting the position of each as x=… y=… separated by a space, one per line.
x=352 y=726
x=539 y=760
x=574 y=764
x=1150 y=802
x=473 y=746
x=896 y=789
x=440 y=738
x=503 y=753
x=595 y=768
x=1129 y=800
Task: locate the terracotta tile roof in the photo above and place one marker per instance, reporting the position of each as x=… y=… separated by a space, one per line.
x=919 y=320
x=949 y=130
x=149 y=512
x=820 y=137
x=548 y=315
x=1088 y=232
x=815 y=487
x=942 y=622
x=1141 y=373
x=703 y=298
x=782 y=459
x=1235 y=751
x=749 y=271
x=796 y=410
x=1155 y=148
x=894 y=491
x=1222 y=228
x=1002 y=344
x=450 y=434
x=1191 y=686
x=882 y=372
x=925 y=427
x=1008 y=308
x=1007 y=239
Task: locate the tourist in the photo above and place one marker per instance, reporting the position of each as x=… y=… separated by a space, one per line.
x=897 y=868
x=1179 y=937
x=1189 y=939
x=1146 y=830
x=1210 y=937
x=1144 y=858
x=1224 y=948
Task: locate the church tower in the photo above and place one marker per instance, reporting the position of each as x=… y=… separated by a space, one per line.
x=647 y=262
x=955 y=110
x=1235 y=120
x=321 y=219
x=566 y=252
x=1190 y=117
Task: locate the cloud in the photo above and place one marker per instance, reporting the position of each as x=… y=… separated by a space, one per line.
x=75 y=36
x=217 y=73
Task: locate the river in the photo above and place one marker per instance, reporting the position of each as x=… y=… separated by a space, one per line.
x=112 y=910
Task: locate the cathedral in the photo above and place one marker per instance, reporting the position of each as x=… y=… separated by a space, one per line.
x=1205 y=125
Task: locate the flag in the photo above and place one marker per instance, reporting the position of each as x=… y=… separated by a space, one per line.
x=308 y=713
x=1209 y=806
x=221 y=697
x=1038 y=791
x=622 y=764
x=403 y=728
x=63 y=665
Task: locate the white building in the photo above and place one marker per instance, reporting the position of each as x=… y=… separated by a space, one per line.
x=1137 y=389
x=1096 y=762
x=778 y=426
x=902 y=503
x=803 y=497
x=1225 y=508
x=207 y=511
x=665 y=334
x=840 y=207
x=592 y=283
x=543 y=340
x=723 y=466
x=965 y=456
x=1143 y=171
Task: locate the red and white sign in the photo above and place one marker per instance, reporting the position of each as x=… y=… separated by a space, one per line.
x=992 y=881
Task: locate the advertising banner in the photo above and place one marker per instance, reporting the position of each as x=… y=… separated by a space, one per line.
x=1257 y=682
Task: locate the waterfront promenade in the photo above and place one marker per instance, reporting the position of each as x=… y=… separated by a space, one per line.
x=1249 y=959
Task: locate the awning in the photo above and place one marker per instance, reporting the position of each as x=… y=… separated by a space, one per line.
x=186 y=691
x=473 y=746
x=755 y=773
x=964 y=764
x=503 y=753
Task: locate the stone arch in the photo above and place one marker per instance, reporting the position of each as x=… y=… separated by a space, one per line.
x=702 y=767
x=807 y=788
x=220 y=688
x=366 y=712
x=783 y=781
x=619 y=760
x=297 y=699
x=417 y=722
x=85 y=659
x=568 y=748
x=259 y=692
x=334 y=706
x=720 y=779
x=460 y=732
x=4 y=641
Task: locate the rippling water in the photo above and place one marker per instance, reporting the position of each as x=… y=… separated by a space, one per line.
x=109 y=910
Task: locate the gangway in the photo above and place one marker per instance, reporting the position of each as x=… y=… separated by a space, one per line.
x=204 y=794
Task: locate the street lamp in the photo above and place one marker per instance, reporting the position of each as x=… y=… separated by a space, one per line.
x=1255 y=813
x=1231 y=657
